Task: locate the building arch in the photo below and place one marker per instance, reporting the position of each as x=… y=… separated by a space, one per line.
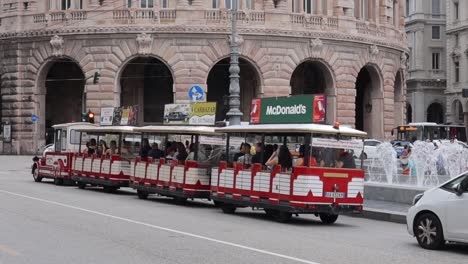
x=369 y=105
x=146 y=81
x=218 y=85
x=457 y=112
x=435 y=113
x=60 y=84
x=315 y=76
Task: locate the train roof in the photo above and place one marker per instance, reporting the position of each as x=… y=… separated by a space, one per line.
x=293 y=128
x=73 y=124
x=109 y=129
x=192 y=130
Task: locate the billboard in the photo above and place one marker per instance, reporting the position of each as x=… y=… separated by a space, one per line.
x=119 y=116
x=293 y=109
x=190 y=114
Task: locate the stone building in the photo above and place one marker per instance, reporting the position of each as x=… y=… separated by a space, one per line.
x=425 y=28
x=457 y=61
x=150 y=52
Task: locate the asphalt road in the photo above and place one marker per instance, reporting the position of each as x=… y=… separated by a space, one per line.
x=44 y=223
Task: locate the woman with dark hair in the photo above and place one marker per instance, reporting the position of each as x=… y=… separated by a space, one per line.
x=102 y=148
x=145 y=148
x=269 y=150
x=301 y=160
x=181 y=152
x=281 y=157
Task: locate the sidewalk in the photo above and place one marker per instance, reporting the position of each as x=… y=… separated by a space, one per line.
x=385 y=211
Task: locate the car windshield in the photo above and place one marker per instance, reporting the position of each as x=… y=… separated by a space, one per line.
x=455 y=182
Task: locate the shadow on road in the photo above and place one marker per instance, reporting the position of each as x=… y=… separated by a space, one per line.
x=459 y=249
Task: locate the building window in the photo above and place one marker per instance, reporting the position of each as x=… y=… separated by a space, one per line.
x=249 y=4
x=435 y=61
x=128 y=3
x=457 y=40
x=407 y=8
x=436 y=8
x=362 y=9
x=435 y=32
x=215 y=4
x=65 y=4
x=456 y=11
x=146 y=4
x=164 y=3
x=457 y=71
x=229 y=4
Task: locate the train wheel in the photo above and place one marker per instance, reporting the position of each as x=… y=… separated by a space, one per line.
x=35 y=174
x=218 y=203
x=281 y=217
x=269 y=212
x=180 y=200
x=228 y=208
x=81 y=185
x=58 y=181
x=142 y=194
x=328 y=218
x=109 y=189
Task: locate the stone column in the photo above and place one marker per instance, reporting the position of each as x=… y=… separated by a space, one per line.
x=319 y=8
x=465 y=114
x=53 y=5
x=183 y=3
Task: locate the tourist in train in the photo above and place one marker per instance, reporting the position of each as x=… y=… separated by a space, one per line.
x=145 y=148
x=257 y=158
x=345 y=160
x=126 y=148
x=155 y=152
x=171 y=153
x=192 y=150
x=112 y=150
x=281 y=157
x=269 y=151
x=247 y=157
x=181 y=152
x=90 y=147
x=187 y=146
x=240 y=153
x=301 y=160
x=101 y=148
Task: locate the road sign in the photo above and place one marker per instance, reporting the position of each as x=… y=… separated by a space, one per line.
x=196 y=94
x=34 y=118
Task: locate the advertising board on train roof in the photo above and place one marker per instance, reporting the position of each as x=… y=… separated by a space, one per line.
x=289 y=110
x=201 y=113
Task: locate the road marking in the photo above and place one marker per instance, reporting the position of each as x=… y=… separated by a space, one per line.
x=266 y=252
x=8 y=251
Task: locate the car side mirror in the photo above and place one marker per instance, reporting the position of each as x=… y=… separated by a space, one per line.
x=458 y=190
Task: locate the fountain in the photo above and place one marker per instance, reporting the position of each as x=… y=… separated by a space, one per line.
x=433 y=165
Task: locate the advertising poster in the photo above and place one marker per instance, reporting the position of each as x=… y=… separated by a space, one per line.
x=320 y=105
x=107 y=115
x=203 y=114
x=125 y=116
x=190 y=114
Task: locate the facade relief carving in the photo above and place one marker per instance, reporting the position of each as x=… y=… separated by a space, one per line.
x=145 y=41
x=57 y=46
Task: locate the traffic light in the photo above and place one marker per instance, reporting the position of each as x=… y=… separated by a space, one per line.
x=84 y=117
x=90 y=117
x=96 y=77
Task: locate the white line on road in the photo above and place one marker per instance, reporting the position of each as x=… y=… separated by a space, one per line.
x=266 y=252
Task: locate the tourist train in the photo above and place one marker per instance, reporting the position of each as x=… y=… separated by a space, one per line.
x=285 y=169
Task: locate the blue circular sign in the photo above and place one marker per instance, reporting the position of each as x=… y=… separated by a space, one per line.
x=196 y=93
x=34 y=118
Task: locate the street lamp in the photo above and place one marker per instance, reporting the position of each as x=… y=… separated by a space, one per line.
x=234 y=115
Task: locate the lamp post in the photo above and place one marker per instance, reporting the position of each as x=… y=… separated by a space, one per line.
x=234 y=115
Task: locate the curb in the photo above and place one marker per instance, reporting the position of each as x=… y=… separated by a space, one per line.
x=383 y=215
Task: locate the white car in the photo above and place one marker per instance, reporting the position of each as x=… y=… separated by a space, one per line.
x=440 y=214
x=370 y=149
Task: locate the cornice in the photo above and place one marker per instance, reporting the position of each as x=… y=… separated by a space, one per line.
x=180 y=29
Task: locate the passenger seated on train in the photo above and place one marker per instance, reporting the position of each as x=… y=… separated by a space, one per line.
x=145 y=148
x=126 y=148
x=101 y=148
x=281 y=157
x=181 y=152
x=171 y=152
x=246 y=158
x=90 y=147
x=155 y=152
x=345 y=160
x=240 y=153
x=112 y=149
x=301 y=160
x=257 y=158
x=193 y=149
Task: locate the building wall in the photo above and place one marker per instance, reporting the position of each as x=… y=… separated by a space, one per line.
x=190 y=40
x=425 y=84
x=457 y=52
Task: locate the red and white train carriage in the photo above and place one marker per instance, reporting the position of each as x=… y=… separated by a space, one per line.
x=324 y=191
x=181 y=179
x=110 y=171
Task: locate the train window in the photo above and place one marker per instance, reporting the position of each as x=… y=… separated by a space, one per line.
x=332 y=152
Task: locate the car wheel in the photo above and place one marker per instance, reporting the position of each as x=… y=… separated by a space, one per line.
x=428 y=231
x=328 y=219
x=281 y=217
x=35 y=174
